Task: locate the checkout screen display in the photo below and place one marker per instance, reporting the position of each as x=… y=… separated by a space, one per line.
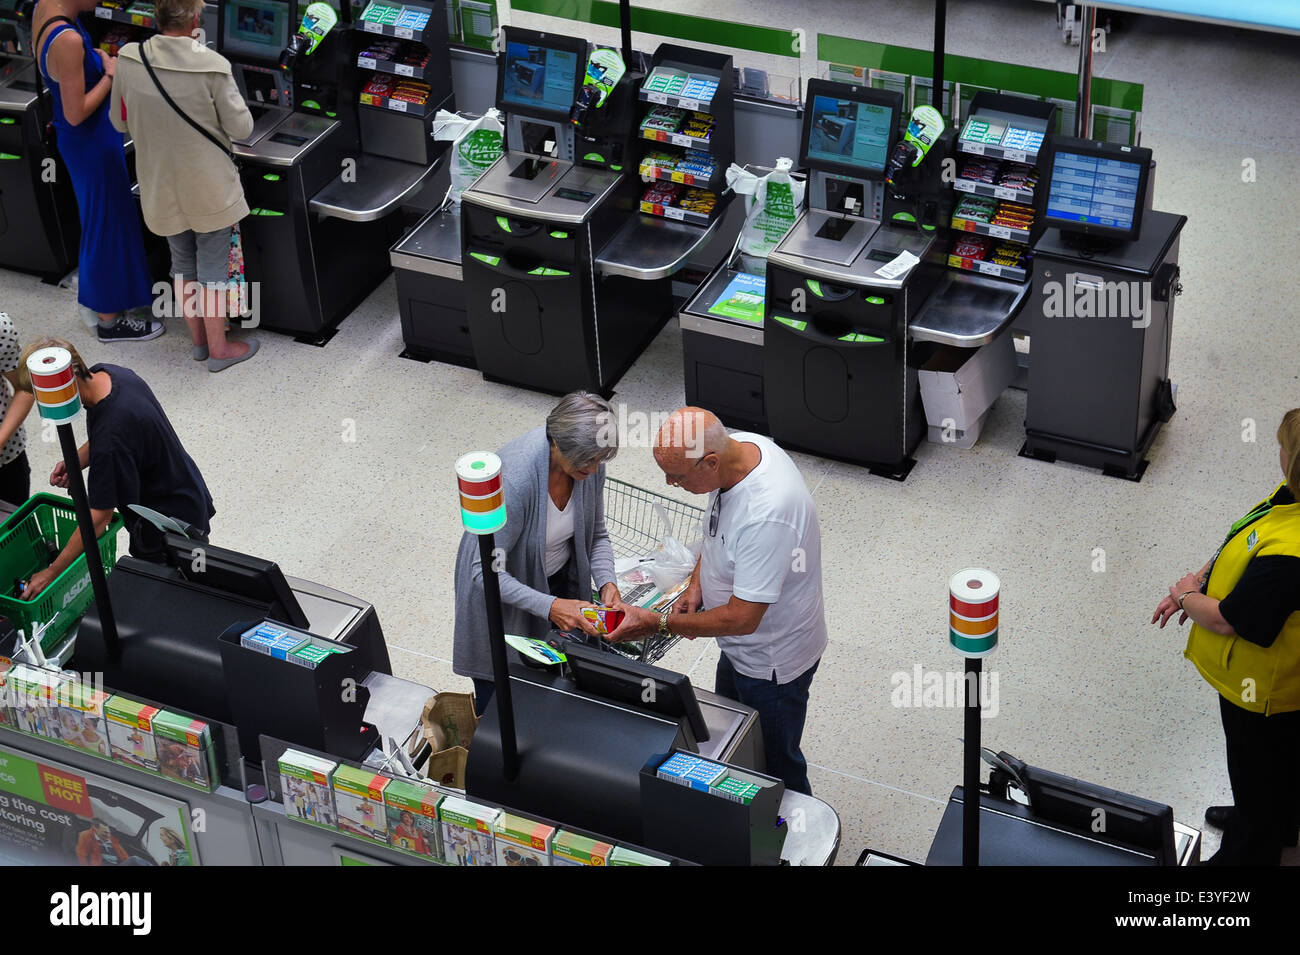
x=540 y=77
x=850 y=133
x=256 y=28
x=1094 y=190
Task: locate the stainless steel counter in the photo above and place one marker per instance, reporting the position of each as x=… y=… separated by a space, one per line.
x=797 y=249
x=433 y=246
x=281 y=138
x=967 y=310
x=18 y=84
x=651 y=247
x=813 y=830
x=372 y=190
x=501 y=192
x=395 y=705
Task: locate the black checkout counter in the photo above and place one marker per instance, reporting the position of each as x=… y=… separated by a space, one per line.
x=39 y=225
x=551 y=278
x=1068 y=416
x=197 y=665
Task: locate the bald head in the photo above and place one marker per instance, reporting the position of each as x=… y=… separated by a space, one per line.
x=688 y=435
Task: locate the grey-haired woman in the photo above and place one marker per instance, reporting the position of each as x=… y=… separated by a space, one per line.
x=554 y=545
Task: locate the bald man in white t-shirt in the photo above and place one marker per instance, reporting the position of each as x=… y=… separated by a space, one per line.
x=757 y=587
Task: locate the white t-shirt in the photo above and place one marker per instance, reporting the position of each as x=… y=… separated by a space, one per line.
x=559 y=535
x=768 y=549
x=9 y=352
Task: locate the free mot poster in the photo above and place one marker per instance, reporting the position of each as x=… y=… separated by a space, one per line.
x=52 y=814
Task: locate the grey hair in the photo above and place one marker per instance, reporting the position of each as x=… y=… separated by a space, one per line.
x=583 y=428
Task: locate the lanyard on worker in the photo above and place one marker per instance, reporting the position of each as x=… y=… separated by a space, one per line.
x=1238 y=526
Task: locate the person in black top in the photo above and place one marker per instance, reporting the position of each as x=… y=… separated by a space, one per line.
x=1244 y=605
x=134 y=457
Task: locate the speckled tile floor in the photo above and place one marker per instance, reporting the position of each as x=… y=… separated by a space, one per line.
x=1085 y=687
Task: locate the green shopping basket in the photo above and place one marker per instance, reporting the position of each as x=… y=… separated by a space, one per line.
x=30 y=539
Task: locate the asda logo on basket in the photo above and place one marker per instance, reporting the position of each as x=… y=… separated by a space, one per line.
x=74 y=908
x=75 y=589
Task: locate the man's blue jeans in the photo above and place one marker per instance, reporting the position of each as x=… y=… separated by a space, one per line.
x=782 y=708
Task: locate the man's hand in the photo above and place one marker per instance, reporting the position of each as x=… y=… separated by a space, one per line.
x=637 y=623
x=59 y=476
x=691 y=600
x=567 y=615
x=38 y=582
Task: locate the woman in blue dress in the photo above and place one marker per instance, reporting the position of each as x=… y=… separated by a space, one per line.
x=113 y=275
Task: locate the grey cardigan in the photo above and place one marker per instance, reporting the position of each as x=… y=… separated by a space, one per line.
x=526 y=605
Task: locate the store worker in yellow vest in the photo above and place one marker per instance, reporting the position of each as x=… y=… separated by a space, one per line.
x=1245 y=640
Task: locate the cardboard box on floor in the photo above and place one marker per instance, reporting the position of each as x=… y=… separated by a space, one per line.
x=959 y=386
x=447 y=724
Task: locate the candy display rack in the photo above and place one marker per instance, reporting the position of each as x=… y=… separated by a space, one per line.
x=993 y=222
x=687 y=129
x=401 y=51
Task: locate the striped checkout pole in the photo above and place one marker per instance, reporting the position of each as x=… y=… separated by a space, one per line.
x=973 y=632
x=483 y=512
x=55 y=387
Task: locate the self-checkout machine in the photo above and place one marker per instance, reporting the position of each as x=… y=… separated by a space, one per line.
x=325 y=183
x=39 y=225
x=841 y=288
x=540 y=312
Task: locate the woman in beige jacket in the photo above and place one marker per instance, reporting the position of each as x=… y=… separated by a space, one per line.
x=189 y=190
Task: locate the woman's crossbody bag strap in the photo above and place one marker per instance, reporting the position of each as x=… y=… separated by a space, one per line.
x=144 y=58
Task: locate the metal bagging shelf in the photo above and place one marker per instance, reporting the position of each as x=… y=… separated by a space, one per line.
x=637 y=520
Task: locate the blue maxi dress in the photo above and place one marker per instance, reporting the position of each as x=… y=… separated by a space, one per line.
x=113 y=272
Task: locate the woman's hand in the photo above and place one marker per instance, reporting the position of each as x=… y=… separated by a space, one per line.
x=1166 y=609
x=110 y=64
x=1169 y=605
x=610 y=596
x=59 y=476
x=567 y=615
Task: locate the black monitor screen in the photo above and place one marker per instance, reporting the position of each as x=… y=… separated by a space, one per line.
x=1094 y=190
x=857 y=134
x=255 y=29
x=258 y=581
x=613 y=676
x=849 y=130
x=540 y=76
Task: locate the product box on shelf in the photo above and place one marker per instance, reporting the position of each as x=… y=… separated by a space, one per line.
x=33 y=694
x=130 y=732
x=625 y=856
x=81 y=722
x=569 y=848
x=467 y=831
x=522 y=841
x=185 y=750
x=359 y=802
x=412 y=810
x=305 y=785
x=6 y=695
x=272 y=639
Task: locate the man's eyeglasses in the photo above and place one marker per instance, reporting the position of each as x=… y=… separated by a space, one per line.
x=715 y=514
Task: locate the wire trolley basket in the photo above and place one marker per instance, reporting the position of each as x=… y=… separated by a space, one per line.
x=637 y=520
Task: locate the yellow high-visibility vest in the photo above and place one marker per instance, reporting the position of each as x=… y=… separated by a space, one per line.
x=1260 y=679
